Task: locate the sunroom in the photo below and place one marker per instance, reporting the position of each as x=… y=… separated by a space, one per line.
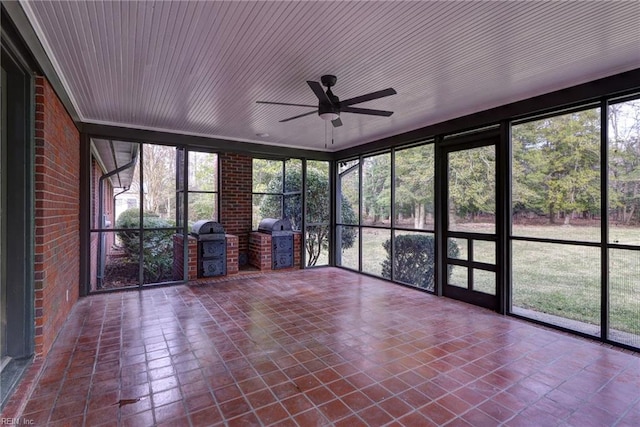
x=483 y=152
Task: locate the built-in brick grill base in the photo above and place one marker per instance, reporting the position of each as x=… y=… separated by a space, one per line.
x=212 y=248
x=281 y=241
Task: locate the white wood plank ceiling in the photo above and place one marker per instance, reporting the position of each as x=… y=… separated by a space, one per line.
x=198 y=68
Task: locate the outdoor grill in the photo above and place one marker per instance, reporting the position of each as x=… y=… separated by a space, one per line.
x=212 y=248
x=281 y=241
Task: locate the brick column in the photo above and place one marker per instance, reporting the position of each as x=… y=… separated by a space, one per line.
x=235 y=198
x=260 y=250
x=297 y=245
x=232 y=254
x=178 y=264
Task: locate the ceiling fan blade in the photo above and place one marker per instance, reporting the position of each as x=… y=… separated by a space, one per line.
x=366 y=111
x=368 y=97
x=285 y=103
x=336 y=123
x=317 y=89
x=298 y=116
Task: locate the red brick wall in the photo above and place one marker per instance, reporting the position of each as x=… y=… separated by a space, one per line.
x=235 y=197
x=57 y=207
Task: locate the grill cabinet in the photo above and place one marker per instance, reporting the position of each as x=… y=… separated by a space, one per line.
x=212 y=248
x=281 y=241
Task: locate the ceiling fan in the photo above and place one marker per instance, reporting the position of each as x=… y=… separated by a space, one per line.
x=329 y=106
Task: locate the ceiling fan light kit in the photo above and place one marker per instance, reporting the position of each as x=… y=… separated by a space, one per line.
x=330 y=106
x=329 y=116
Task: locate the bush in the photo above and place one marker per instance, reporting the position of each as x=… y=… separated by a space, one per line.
x=157 y=247
x=414 y=259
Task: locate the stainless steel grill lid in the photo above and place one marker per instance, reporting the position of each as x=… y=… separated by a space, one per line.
x=273 y=225
x=207 y=230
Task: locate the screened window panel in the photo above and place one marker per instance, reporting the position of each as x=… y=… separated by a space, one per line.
x=472 y=177
x=128 y=201
x=484 y=281
x=460 y=251
x=484 y=251
x=348 y=246
x=414 y=259
x=376 y=190
x=159 y=255
x=624 y=172
x=624 y=296
x=114 y=260
x=267 y=176
x=203 y=171
x=557 y=284
x=349 y=196
x=293 y=175
x=373 y=252
x=203 y=206
x=318 y=193
x=414 y=184
x=159 y=189
x=458 y=276
x=293 y=210
x=317 y=245
x=556 y=177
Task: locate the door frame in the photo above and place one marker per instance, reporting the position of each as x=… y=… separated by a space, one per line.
x=494 y=137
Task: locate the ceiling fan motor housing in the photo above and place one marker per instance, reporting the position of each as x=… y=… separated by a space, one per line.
x=324 y=108
x=328 y=80
x=334 y=105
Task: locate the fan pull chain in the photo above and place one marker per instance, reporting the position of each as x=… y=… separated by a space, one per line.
x=325 y=134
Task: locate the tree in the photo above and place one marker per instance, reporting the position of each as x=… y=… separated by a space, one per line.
x=317 y=216
x=624 y=162
x=348 y=184
x=203 y=171
x=556 y=165
x=376 y=188
x=203 y=183
x=472 y=182
x=264 y=173
x=415 y=172
x=159 y=179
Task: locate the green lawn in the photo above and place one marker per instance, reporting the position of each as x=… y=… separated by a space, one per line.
x=552 y=279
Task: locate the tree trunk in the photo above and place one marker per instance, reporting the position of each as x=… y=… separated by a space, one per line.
x=567 y=219
x=629 y=216
x=419 y=216
x=452 y=213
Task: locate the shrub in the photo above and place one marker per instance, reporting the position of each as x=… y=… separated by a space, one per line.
x=157 y=248
x=414 y=259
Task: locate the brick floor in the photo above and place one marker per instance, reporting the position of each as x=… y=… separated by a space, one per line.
x=321 y=347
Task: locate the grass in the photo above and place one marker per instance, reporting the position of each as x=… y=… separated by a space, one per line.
x=558 y=280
